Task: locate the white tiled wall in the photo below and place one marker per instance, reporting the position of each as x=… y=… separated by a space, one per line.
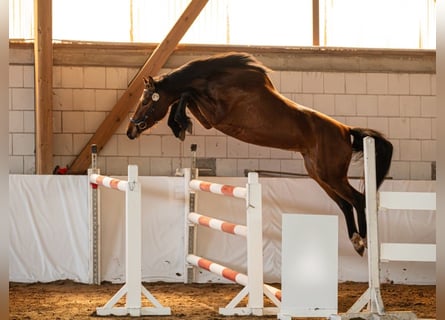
x=402 y=106
x=21 y=120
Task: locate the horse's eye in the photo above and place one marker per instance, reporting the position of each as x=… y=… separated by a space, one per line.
x=142 y=125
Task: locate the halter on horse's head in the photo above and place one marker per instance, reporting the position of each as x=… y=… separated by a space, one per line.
x=151 y=108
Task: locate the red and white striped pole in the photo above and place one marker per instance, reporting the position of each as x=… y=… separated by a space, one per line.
x=108 y=182
x=217 y=224
x=216 y=188
x=218 y=269
x=227 y=273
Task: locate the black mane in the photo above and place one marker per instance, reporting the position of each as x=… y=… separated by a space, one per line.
x=179 y=83
x=202 y=68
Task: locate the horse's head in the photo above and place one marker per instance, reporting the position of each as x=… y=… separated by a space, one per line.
x=151 y=108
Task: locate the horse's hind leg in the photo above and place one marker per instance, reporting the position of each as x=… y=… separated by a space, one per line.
x=357 y=239
x=357 y=199
x=335 y=184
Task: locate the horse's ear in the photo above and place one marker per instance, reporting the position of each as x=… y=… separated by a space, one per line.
x=149 y=82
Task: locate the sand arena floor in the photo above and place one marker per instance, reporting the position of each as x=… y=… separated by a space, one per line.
x=70 y=300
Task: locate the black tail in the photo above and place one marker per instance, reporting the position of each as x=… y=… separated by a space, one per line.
x=383 y=150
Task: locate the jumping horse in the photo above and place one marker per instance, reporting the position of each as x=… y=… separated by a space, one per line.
x=233 y=94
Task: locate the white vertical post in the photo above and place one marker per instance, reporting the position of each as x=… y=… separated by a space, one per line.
x=254 y=244
x=375 y=301
x=372 y=298
x=133 y=242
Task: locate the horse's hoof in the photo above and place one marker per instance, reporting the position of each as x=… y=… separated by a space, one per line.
x=181 y=135
x=360 y=250
x=189 y=126
x=358 y=243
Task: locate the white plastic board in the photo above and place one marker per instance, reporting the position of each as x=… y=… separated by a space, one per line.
x=309 y=271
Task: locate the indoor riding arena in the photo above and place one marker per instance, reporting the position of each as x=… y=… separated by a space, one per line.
x=222 y=159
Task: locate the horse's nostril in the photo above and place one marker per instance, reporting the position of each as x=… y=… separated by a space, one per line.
x=130 y=135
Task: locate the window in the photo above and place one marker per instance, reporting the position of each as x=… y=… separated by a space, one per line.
x=343 y=23
x=379 y=23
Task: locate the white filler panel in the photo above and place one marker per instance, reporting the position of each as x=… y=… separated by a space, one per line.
x=309 y=272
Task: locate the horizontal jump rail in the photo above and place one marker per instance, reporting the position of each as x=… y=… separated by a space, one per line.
x=412 y=201
x=227 y=273
x=112 y=183
x=421 y=252
x=216 y=188
x=407 y=200
x=218 y=269
x=217 y=224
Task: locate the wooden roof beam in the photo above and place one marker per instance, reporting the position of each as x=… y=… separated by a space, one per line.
x=130 y=97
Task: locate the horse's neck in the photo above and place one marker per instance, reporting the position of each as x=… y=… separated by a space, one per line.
x=177 y=81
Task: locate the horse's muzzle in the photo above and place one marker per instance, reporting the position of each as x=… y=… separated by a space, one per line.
x=132 y=132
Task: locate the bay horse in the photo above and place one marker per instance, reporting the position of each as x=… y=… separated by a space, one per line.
x=233 y=94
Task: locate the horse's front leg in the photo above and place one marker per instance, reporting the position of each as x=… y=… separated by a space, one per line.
x=180 y=116
x=171 y=120
x=193 y=107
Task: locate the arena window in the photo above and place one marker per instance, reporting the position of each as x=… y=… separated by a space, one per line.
x=334 y=23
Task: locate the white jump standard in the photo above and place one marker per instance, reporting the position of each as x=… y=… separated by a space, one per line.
x=370 y=305
x=254 y=288
x=133 y=288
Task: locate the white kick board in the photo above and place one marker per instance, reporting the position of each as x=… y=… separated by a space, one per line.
x=309 y=267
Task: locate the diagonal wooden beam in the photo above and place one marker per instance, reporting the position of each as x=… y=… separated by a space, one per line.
x=130 y=97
